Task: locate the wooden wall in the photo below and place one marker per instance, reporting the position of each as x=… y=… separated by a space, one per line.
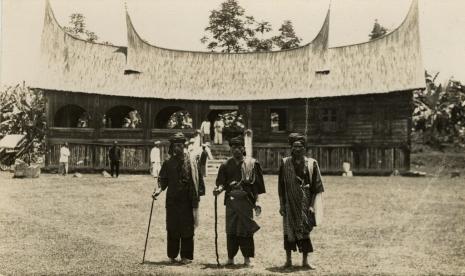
x=369 y=160
x=357 y=119
x=372 y=132
x=94 y=157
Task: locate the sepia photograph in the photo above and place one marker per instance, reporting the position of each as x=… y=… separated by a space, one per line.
x=232 y=137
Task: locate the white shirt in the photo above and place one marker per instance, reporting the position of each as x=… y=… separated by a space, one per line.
x=219 y=125
x=205 y=127
x=197 y=142
x=155 y=155
x=64 y=154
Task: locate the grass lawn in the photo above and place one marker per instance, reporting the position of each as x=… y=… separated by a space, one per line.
x=96 y=225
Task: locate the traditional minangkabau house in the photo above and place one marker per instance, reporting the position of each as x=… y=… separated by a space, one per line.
x=353 y=102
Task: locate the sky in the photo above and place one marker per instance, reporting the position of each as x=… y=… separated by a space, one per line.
x=179 y=24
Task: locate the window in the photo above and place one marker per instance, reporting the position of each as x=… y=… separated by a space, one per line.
x=381 y=122
x=278 y=119
x=329 y=120
x=122 y=116
x=71 y=116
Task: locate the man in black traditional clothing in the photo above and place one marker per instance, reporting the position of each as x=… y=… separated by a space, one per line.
x=242 y=180
x=181 y=175
x=115 y=156
x=300 y=189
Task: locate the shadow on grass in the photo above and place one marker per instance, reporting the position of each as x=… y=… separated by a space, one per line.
x=223 y=266
x=292 y=269
x=162 y=263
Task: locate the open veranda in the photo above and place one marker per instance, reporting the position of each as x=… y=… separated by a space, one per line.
x=96 y=225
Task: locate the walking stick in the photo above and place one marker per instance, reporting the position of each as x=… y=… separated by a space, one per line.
x=154 y=197
x=148 y=229
x=216 y=230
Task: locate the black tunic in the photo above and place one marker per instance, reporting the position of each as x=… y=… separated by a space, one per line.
x=115 y=153
x=240 y=203
x=230 y=171
x=181 y=197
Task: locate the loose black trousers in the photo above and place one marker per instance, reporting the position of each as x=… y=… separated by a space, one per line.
x=246 y=244
x=114 y=168
x=178 y=244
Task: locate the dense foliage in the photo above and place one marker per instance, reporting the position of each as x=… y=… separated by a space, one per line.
x=377 y=31
x=23 y=112
x=231 y=30
x=440 y=112
x=77 y=27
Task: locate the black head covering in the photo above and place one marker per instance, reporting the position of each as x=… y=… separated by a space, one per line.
x=178 y=138
x=296 y=137
x=237 y=141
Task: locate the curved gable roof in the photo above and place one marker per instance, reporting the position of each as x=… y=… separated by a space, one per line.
x=390 y=63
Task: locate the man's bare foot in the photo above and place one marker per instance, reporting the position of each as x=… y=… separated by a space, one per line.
x=185 y=261
x=247 y=262
x=230 y=262
x=308 y=266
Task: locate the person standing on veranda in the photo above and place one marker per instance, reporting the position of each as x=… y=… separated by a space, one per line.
x=300 y=191
x=64 y=158
x=155 y=159
x=180 y=176
x=219 y=126
x=205 y=130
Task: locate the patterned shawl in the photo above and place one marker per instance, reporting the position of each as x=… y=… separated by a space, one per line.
x=298 y=200
x=247 y=170
x=191 y=166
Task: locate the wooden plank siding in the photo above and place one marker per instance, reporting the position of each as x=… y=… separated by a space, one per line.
x=371 y=131
x=94 y=157
x=372 y=160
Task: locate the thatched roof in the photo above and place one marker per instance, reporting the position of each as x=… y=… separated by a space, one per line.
x=390 y=63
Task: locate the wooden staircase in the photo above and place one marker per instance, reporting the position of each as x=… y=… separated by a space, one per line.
x=220 y=154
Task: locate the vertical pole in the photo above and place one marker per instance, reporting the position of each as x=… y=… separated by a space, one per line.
x=306 y=118
x=216 y=231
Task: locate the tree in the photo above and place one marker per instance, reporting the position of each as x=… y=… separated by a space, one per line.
x=230 y=30
x=287 y=39
x=440 y=112
x=77 y=27
x=377 y=31
x=261 y=44
x=453 y=106
x=22 y=111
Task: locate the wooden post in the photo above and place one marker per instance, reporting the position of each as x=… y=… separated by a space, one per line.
x=146 y=121
x=48 y=98
x=249 y=115
x=196 y=118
